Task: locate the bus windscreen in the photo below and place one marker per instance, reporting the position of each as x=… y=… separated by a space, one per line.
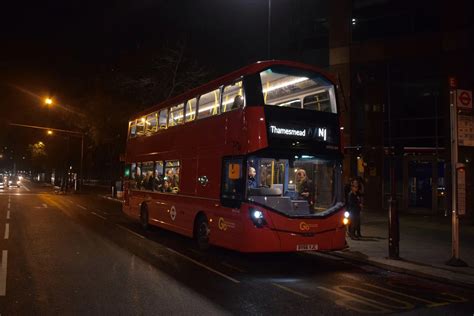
x=302 y=187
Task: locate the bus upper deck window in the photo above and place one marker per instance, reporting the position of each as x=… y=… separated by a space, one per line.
x=141 y=126
x=151 y=123
x=190 y=110
x=176 y=115
x=232 y=97
x=133 y=128
x=291 y=87
x=209 y=104
x=163 y=119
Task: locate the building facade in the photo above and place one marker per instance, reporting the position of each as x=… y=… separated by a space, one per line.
x=395 y=61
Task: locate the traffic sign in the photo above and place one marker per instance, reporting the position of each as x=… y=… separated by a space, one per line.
x=464 y=99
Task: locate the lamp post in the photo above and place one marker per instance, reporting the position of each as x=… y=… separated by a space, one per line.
x=68 y=132
x=269 y=33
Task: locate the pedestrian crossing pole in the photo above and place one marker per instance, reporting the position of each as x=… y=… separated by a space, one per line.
x=455 y=259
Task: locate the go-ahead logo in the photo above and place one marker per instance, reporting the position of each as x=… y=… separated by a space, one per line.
x=306 y=226
x=223 y=224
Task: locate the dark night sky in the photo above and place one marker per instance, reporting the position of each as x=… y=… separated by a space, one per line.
x=54 y=47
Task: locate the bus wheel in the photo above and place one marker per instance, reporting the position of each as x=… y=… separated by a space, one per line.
x=202 y=232
x=144 y=217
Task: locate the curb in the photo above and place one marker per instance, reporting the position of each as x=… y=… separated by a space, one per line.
x=403 y=270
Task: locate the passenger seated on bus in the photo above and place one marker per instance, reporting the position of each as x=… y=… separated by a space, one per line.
x=157 y=182
x=166 y=187
x=147 y=182
x=238 y=102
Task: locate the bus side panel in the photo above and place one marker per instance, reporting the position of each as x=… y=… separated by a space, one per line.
x=256 y=128
x=174 y=213
x=226 y=227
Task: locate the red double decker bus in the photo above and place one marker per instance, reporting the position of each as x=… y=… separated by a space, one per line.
x=250 y=161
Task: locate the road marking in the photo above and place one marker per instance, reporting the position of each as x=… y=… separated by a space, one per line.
x=204 y=266
x=349 y=298
x=45 y=205
x=103 y=212
x=8 y=205
x=130 y=231
x=26 y=188
x=98 y=215
x=430 y=303
x=3 y=273
x=399 y=304
x=83 y=207
x=7 y=230
x=290 y=290
x=232 y=267
x=8 y=215
x=458 y=299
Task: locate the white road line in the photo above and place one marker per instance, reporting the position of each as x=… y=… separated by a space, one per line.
x=98 y=215
x=7 y=230
x=3 y=273
x=8 y=215
x=24 y=186
x=83 y=207
x=204 y=266
x=232 y=266
x=290 y=290
x=103 y=212
x=45 y=205
x=8 y=205
x=70 y=201
x=131 y=231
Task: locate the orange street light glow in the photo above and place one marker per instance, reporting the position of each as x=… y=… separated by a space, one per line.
x=50 y=132
x=48 y=101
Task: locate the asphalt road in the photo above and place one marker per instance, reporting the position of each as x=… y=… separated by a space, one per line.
x=79 y=255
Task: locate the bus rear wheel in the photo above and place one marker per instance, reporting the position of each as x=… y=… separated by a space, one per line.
x=144 y=217
x=202 y=232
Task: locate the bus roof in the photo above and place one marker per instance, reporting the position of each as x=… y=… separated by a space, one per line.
x=247 y=70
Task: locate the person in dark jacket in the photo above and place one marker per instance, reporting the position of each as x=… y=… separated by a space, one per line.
x=304 y=186
x=354 y=206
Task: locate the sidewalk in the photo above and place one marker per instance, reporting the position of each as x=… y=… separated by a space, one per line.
x=425 y=246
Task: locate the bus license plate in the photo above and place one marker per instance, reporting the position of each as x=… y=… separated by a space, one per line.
x=306 y=247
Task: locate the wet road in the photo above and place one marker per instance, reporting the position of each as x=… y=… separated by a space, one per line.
x=77 y=254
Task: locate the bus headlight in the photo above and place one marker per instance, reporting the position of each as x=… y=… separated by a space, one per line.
x=257 y=217
x=346 y=214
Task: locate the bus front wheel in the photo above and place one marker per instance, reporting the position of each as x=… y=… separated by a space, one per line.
x=144 y=217
x=202 y=232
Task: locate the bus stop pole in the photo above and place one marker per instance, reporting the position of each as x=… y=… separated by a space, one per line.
x=81 y=169
x=455 y=260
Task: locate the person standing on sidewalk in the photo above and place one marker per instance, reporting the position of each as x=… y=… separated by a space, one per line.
x=354 y=205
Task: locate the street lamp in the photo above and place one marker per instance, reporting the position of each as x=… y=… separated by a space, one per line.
x=48 y=101
x=49 y=132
